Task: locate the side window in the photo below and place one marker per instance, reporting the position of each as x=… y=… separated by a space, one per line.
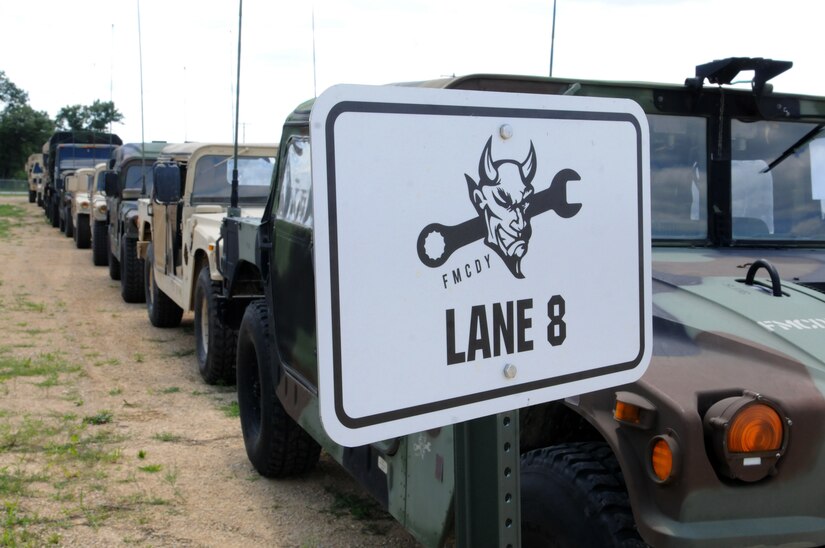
x=295 y=195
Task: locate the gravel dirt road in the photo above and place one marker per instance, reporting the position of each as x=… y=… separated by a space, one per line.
x=108 y=437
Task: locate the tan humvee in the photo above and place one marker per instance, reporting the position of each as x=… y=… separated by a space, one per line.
x=188 y=204
x=77 y=189
x=35 y=168
x=99 y=218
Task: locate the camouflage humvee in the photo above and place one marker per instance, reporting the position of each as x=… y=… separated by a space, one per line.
x=720 y=443
x=80 y=206
x=189 y=203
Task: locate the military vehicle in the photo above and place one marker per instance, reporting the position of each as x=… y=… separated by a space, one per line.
x=68 y=151
x=177 y=153
x=187 y=209
x=99 y=220
x=80 y=206
x=129 y=179
x=34 y=171
x=720 y=443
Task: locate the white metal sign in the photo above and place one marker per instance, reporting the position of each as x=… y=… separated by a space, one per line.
x=475 y=252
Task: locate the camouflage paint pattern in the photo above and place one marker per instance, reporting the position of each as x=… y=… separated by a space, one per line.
x=714 y=337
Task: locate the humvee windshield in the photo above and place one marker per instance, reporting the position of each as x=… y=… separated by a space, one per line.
x=213 y=179
x=134 y=177
x=777 y=180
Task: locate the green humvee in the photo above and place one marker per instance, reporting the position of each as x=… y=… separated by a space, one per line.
x=720 y=443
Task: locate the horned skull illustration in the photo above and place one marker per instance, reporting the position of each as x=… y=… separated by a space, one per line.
x=501 y=196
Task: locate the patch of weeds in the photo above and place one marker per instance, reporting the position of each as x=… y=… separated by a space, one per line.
x=141 y=454
x=159 y=341
x=231 y=409
x=166 y=437
x=170 y=390
x=171 y=476
x=110 y=361
x=8 y=212
x=138 y=357
x=102 y=417
x=48 y=365
x=182 y=353
x=24 y=304
x=21 y=324
x=16 y=483
x=199 y=393
x=360 y=508
x=12 y=522
x=151 y=468
x=116 y=391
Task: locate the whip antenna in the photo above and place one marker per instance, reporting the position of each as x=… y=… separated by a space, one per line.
x=233 y=200
x=142 y=138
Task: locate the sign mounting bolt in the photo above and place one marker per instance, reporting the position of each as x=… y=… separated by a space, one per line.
x=506 y=131
x=510 y=371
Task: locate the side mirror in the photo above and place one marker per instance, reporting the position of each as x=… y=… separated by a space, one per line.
x=111 y=184
x=167 y=183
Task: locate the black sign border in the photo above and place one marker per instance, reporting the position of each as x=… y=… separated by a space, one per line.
x=368 y=107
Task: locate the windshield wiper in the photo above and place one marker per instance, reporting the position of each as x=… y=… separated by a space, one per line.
x=794 y=147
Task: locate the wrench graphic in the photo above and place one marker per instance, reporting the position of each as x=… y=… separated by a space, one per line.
x=552 y=198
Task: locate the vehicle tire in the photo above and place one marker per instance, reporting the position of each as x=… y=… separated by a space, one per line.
x=32 y=196
x=573 y=495
x=100 y=244
x=54 y=216
x=61 y=219
x=163 y=311
x=40 y=200
x=68 y=222
x=131 y=272
x=114 y=263
x=215 y=342
x=275 y=444
x=83 y=232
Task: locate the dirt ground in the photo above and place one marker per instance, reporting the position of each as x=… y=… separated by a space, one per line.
x=108 y=436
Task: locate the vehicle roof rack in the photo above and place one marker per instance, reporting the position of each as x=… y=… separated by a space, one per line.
x=723 y=71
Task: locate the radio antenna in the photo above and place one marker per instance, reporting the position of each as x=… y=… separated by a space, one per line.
x=142 y=137
x=234 y=211
x=314 y=77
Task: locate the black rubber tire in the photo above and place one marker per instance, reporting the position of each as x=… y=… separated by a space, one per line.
x=215 y=342
x=67 y=216
x=114 y=262
x=39 y=200
x=573 y=495
x=131 y=272
x=275 y=444
x=100 y=244
x=54 y=215
x=61 y=219
x=32 y=196
x=163 y=311
x=83 y=232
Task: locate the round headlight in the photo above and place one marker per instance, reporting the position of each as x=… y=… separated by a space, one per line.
x=748 y=435
x=755 y=428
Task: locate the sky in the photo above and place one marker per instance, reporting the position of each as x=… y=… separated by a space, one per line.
x=65 y=53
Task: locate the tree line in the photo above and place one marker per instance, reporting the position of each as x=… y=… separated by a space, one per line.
x=23 y=130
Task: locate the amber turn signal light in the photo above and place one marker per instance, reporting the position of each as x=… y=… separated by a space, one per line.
x=627 y=412
x=661 y=459
x=755 y=428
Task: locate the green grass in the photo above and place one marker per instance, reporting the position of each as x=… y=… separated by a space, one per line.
x=231 y=409
x=166 y=437
x=102 y=417
x=182 y=353
x=8 y=213
x=44 y=365
x=151 y=468
x=170 y=390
